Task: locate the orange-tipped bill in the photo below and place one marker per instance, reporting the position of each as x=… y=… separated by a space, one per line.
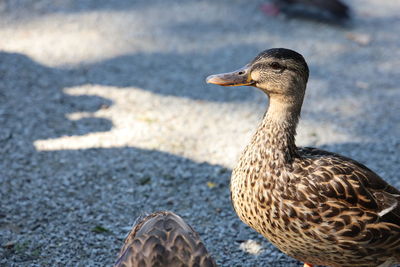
x=235 y=78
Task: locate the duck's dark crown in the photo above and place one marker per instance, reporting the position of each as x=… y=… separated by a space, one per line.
x=283 y=54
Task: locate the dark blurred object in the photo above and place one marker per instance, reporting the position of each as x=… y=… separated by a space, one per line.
x=333 y=11
x=163 y=239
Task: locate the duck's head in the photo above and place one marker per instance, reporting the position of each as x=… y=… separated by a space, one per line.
x=276 y=71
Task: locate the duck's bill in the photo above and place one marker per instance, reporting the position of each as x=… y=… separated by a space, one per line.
x=235 y=78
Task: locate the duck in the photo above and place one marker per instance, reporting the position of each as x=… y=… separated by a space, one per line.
x=318 y=207
x=163 y=239
x=334 y=11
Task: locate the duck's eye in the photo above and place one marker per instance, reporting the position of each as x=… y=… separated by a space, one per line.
x=276 y=66
x=241 y=72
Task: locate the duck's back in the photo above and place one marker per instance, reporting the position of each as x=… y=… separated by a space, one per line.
x=163 y=239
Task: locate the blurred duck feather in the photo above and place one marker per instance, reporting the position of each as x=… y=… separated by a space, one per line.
x=163 y=239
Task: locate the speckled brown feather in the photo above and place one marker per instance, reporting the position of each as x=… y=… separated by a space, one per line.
x=163 y=239
x=316 y=206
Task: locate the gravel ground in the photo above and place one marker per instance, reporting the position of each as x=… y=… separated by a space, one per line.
x=105 y=115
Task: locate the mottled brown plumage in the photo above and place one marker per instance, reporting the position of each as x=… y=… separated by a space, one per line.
x=316 y=206
x=163 y=239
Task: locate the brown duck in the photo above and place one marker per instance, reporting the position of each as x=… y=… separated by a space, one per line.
x=163 y=239
x=316 y=206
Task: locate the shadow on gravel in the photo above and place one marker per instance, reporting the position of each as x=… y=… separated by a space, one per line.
x=33 y=102
x=86 y=199
x=76 y=204
x=172 y=74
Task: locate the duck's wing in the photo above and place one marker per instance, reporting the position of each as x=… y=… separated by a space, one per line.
x=344 y=178
x=360 y=207
x=163 y=239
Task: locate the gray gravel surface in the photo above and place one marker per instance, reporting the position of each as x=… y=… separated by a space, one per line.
x=105 y=115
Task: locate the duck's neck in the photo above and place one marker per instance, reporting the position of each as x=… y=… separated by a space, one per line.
x=276 y=134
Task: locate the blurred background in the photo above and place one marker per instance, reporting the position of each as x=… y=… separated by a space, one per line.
x=105 y=115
